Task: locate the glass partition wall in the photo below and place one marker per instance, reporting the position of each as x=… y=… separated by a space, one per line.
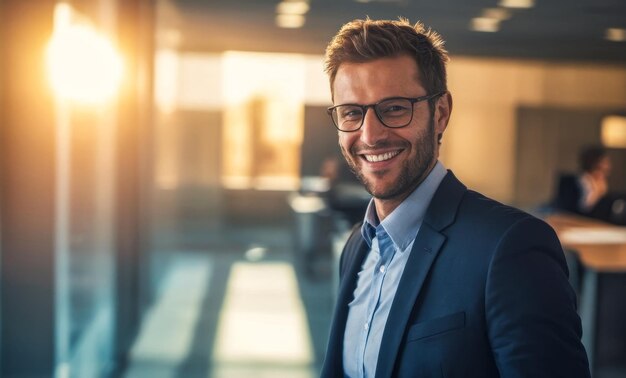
x=85 y=71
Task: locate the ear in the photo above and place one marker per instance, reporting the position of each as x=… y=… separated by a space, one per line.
x=443 y=109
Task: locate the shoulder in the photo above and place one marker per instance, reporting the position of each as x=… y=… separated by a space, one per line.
x=479 y=209
x=464 y=214
x=495 y=229
x=510 y=234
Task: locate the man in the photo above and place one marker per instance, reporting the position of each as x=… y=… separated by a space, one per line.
x=439 y=281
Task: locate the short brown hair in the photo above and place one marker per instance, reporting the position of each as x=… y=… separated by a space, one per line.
x=361 y=41
x=591 y=156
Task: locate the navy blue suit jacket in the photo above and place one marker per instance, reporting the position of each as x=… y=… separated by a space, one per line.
x=484 y=294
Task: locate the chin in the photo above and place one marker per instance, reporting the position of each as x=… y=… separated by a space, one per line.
x=385 y=194
x=383 y=191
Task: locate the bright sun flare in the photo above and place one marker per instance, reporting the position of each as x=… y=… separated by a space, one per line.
x=83 y=65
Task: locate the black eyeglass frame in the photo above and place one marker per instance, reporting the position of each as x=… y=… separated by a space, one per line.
x=412 y=100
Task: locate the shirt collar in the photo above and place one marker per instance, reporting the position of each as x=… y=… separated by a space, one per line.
x=405 y=220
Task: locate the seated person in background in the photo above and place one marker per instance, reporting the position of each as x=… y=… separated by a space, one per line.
x=583 y=193
x=596 y=166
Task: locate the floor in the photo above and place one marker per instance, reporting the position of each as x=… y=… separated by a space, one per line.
x=245 y=304
x=243 y=307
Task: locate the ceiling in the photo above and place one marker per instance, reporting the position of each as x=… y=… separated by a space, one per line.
x=553 y=29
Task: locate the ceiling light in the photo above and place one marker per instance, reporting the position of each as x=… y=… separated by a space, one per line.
x=292 y=7
x=485 y=24
x=290 y=21
x=615 y=34
x=517 y=3
x=497 y=13
x=614 y=131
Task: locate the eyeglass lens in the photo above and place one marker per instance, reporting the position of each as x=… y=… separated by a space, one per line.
x=395 y=112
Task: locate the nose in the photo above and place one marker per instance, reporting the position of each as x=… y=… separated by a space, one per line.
x=372 y=130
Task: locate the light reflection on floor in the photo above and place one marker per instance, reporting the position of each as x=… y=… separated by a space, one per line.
x=263 y=324
x=165 y=337
x=261 y=332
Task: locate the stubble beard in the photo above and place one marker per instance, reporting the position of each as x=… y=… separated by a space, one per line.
x=412 y=172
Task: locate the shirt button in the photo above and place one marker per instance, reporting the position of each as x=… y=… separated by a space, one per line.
x=382 y=269
x=366 y=326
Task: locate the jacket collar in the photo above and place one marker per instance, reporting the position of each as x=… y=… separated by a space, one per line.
x=443 y=208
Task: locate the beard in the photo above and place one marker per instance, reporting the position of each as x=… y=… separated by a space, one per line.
x=412 y=171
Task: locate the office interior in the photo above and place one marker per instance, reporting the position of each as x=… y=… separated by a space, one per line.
x=165 y=168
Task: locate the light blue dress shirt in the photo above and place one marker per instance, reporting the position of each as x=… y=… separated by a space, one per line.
x=390 y=243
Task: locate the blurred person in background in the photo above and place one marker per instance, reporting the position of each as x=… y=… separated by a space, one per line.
x=437 y=280
x=596 y=167
x=584 y=193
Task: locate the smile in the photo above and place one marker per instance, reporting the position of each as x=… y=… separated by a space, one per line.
x=381 y=157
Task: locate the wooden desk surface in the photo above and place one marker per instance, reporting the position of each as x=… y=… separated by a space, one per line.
x=601 y=246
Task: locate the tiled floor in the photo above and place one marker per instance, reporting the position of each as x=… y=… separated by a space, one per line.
x=236 y=310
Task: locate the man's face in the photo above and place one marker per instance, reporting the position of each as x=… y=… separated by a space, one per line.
x=391 y=163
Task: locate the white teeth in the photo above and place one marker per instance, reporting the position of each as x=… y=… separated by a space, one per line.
x=381 y=157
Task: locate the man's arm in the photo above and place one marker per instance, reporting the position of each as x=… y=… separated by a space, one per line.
x=532 y=322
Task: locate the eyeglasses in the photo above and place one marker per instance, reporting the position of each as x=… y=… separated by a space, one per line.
x=392 y=112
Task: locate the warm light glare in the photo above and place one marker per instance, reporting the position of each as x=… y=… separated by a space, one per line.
x=290 y=21
x=616 y=34
x=83 y=65
x=614 y=131
x=485 y=24
x=517 y=3
x=292 y=7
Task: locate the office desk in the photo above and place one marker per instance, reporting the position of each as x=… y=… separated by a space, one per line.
x=600 y=246
x=601 y=249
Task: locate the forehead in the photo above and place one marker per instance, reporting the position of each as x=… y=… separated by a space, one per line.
x=377 y=79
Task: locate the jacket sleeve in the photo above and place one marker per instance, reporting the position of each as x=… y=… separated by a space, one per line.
x=533 y=326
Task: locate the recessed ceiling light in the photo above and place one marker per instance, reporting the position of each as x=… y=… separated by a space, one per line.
x=615 y=34
x=497 y=13
x=517 y=3
x=290 y=21
x=485 y=24
x=292 y=7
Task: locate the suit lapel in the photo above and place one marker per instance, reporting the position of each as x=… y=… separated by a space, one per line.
x=428 y=243
x=355 y=252
x=424 y=252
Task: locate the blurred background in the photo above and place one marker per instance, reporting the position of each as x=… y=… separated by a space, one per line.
x=172 y=197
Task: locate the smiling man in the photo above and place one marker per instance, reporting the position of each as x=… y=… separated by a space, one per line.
x=438 y=280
